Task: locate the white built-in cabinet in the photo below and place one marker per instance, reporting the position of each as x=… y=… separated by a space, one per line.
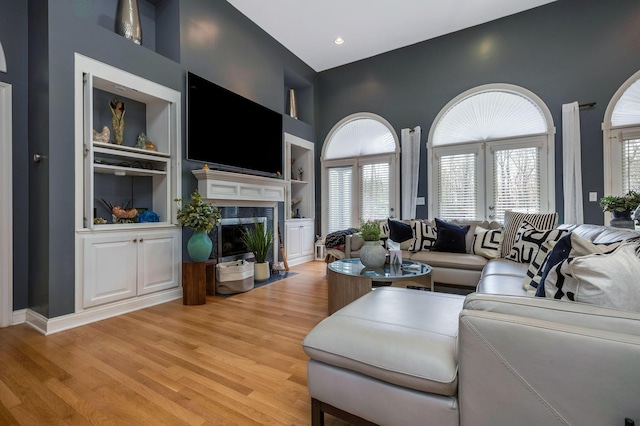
x=126 y=266
x=300 y=204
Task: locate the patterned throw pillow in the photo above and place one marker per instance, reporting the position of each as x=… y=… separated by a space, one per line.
x=529 y=239
x=424 y=236
x=537 y=265
x=487 y=242
x=603 y=279
x=513 y=220
x=571 y=245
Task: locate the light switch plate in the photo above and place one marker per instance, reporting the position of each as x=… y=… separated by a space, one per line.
x=420 y=201
x=593 y=196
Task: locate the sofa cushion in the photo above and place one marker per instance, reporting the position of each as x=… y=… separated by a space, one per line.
x=504 y=267
x=603 y=279
x=450 y=238
x=399 y=231
x=449 y=260
x=513 y=220
x=501 y=284
x=529 y=239
x=424 y=236
x=405 y=337
x=487 y=242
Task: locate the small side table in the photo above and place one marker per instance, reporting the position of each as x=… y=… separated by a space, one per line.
x=198 y=281
x=320 y=251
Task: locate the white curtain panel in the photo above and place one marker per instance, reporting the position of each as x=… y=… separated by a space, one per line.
x=410 y=162
x=571 y=165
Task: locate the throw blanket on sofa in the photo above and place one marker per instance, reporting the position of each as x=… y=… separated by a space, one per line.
x=333 y=254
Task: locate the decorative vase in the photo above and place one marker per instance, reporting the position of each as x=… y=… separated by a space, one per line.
x=373 y=255
x=622 y=220
x=261 y=271
x=128 y=20
x=293 y=113
x=199 y=246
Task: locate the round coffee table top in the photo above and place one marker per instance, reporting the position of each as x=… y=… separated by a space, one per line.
x=354 y=267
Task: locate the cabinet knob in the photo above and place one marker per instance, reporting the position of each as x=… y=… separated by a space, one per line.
x=135 y=240
x=141 y=239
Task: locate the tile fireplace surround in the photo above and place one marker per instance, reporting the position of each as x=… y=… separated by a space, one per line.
x=242 y=195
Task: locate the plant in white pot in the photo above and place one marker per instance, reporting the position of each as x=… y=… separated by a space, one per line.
x=200 y=216
x=372 y=253
x=259 y=240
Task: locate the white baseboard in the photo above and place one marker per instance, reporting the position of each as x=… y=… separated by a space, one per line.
x=48 y=326
x=300 y=260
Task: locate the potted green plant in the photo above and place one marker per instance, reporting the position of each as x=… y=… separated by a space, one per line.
x=372 y=253
x=621 y=207
x=201 y=216
x=259 y=240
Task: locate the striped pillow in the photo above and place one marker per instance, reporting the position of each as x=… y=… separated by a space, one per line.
x=513 y=220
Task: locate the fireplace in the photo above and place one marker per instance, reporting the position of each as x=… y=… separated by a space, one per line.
x=244 y=197
x=229 y=237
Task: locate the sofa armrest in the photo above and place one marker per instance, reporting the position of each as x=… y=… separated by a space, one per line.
x=519 y=369
x=352 y=242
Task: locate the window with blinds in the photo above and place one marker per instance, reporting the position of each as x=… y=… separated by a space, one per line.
x=516 y=181
x=630 y=165
x=340 y=198
x=457 y=186
x=374 y=193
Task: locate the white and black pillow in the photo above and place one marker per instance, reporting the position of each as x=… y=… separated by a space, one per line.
x=536 y=267
x=529 y=239
x=513 y=220
x=425 y=236
x=487 y=242
x=603 y=279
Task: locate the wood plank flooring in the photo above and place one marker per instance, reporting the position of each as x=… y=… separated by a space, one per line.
x=232 y=361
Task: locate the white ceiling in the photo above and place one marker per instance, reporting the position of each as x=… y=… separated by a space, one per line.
x=308 y=28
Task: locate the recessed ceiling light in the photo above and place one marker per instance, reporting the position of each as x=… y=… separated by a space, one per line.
x=339 y=40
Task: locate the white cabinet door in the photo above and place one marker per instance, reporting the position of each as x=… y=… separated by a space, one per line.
x=293 y=247
x=300 y=241
x=110 y=264
x=307 y=238
x=159 y=261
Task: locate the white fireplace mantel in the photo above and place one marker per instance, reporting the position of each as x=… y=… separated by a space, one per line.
x=224 y=187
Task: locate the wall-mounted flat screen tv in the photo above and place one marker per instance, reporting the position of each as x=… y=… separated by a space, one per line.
x=230 y=132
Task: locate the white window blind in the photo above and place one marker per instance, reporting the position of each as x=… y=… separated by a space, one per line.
x=516 y=180
x=630 y=165
x=457 y=186
x=374 y=194
x=340 y=198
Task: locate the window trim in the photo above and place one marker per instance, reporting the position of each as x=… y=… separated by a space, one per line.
x=393 y=158
x=548 y=138
x=612 y=142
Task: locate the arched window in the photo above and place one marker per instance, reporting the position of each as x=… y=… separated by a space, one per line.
x=489 y=150
x=359 y=172
x=621 y=143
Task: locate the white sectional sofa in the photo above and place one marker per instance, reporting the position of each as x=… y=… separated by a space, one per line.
x=498 y=356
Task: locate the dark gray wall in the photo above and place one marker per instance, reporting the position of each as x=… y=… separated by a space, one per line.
x=13 y=34
x=570 y=50
x=240 y=57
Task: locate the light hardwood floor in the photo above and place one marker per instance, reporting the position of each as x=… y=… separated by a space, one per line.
x=232 y=361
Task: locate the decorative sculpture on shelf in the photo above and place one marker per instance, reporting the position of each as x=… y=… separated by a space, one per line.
x=103 y=136
x=117 y=121
x=142 y=141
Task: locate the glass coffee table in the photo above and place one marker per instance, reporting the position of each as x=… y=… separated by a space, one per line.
x=349 y=279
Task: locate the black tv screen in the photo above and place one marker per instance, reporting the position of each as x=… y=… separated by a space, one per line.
x=230 y=132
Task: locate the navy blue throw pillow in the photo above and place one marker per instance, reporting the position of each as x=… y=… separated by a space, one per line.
x=399 y=231
x=559 y=253
x=450 y=238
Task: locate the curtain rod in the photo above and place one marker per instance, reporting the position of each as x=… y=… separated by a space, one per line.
x=587 y=105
